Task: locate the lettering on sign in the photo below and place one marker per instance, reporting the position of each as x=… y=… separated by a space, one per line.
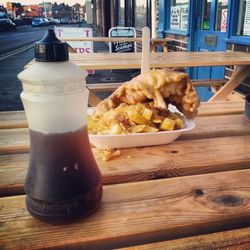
x=184 y=17
x=175 y=17
x=123 y=47
x=77 y=32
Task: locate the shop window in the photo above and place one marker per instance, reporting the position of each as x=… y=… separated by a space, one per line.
x=140 y=13
x=221 y=15
x=121 y=13
x=206 y=14
x=243 y=27
x=179 y=14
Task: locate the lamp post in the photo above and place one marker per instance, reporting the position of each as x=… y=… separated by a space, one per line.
x=45 y=12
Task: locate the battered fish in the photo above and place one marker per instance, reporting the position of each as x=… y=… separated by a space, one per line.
x=160 y=86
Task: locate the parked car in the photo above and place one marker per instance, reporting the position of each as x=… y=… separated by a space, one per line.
x=53 y=20
x=6 y=23
x=57 y=21
x=46 y=22
x=64 y=20
x=39 y=22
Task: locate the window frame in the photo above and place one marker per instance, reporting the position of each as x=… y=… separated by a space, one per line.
x=167 y=23
x=146 y=14
x=233 y=37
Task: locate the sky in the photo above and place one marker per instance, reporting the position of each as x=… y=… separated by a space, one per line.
x=24 y=2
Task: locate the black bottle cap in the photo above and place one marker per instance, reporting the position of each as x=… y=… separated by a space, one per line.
x=51 y=49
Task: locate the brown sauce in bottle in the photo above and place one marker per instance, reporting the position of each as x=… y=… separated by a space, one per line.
x=63 y=180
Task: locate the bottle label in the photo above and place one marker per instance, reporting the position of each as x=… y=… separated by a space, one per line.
x=65 y=208
x=52 y=89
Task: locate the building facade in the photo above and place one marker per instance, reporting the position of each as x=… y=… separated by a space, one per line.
x=206 y=25
x=193 y=25
x=128 y=13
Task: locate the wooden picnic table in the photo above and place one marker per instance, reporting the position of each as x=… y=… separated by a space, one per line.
x=241 y=61
x=191 y=194
x=109 y=61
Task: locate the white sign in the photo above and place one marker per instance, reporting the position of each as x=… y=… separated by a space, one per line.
x=184 y=17
x=76 y=32
x=119 y=47
x=223 y=24
x=246 y=29
x=175 y=17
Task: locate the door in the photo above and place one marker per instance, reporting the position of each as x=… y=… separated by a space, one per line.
x=210 y=35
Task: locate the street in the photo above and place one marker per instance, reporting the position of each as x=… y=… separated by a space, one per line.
x=16 y=50
x=23 y=36
x=13 y=57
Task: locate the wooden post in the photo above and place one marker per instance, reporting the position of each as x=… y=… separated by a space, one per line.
x=93 y=99
x=145 y=65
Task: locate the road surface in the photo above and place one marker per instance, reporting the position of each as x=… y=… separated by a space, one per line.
x=23 y=36
x=15 y=54
x=17 y=49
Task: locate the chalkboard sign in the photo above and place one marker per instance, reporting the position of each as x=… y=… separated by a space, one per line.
x=120 y=47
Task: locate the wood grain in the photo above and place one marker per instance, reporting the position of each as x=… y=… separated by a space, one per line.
x=138 y=213
x=221 y=108
x=17 y=119
x=13 y=119
x=17 y=140
x=238 y=239
x=218 y=126
x=116 y=39
x=139 y=164
x=14 y=140
x=101 y=61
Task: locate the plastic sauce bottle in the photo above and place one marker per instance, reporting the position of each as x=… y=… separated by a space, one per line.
x=63 y=180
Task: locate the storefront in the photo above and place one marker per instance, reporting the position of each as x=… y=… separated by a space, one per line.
x=127 y=13
x=193 y=25
x=206 y=25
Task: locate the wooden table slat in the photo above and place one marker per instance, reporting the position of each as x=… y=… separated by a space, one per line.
x=181 y=158
x=137 y=213
x=116 y=39
x=230 y=240
x=221 y=108
x=159 y=60
x=17 y=119
x=13 y=119
x=17 y=140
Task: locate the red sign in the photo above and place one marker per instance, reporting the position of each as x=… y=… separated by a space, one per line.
x=223 y=25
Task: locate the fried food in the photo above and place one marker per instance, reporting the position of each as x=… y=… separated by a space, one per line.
x=159 y=86
x=108 y=154
x=139 y=118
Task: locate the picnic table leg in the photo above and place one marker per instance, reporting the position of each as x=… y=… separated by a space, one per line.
x=165 y=46
x=239 y=74
x=93 y=99
x=71 y=50
x=153 y=46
